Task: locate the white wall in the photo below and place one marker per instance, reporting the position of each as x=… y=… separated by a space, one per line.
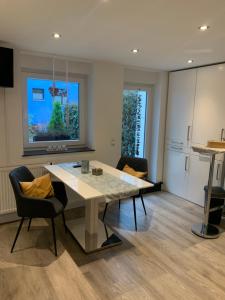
x=139 y=76
x=106 y=94
x=158 y=127
x=105 y=85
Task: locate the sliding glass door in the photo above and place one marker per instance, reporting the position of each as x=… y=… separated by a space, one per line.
x=135 y=103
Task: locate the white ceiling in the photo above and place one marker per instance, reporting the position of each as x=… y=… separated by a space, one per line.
x=166 y=31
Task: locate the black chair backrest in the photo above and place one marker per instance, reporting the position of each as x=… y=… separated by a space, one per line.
x=138 y=164
x=16 y=176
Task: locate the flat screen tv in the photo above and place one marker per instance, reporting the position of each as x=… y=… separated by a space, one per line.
x=6 y=67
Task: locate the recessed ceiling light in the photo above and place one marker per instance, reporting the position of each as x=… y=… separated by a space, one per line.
x=56 y=35
x=203 y=27
x=135 y=51
x=190 y=61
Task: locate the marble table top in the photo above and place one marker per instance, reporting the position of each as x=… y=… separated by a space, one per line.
x=112 y=185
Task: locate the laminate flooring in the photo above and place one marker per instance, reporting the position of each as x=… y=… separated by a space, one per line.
x=162 y=260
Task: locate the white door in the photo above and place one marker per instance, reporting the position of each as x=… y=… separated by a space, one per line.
x=198 y=169
x=209 y=114
x=180 y=107
x=175 y=172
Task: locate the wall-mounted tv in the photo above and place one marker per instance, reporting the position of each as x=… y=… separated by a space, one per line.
x=6 y=67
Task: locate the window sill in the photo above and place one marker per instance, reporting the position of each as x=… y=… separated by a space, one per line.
x=45 y=152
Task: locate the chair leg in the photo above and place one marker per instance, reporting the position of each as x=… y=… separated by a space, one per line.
x=29 y=224
x=142 y=200
x=106 y=205
x=119 y=204
x=135 y=218
x=54 y=237
x=17 y=234
x=106 y=232
x=64 y=221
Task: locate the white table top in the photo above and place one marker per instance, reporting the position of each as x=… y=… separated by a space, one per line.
x=73 y=178
x=207 y=150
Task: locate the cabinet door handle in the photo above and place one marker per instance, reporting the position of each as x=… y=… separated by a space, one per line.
x=217 y=172
x=176 y=143
x=186 y=163
x=188 y=133
x=176 y=148
x=221 y=135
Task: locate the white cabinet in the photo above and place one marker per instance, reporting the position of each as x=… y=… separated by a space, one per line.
x=180 y=107
x=209 y=112
x=175 y=174
x=198 y=177
x=195 y=114
x=186 y=175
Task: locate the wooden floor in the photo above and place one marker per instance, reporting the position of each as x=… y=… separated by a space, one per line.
x=163 y=260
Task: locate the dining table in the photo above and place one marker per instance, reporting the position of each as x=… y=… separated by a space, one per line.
x=89 y=231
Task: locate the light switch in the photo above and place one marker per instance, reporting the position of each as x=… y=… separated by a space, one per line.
x=113 y=143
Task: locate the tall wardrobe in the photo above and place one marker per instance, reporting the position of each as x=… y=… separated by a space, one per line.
x=195 y=114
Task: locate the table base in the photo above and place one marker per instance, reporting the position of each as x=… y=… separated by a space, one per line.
x=104 y=238
x=206 y=231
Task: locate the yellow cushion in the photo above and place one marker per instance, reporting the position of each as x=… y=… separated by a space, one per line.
x=40 y=187
x=131 y=171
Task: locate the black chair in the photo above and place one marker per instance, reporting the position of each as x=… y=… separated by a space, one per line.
x=28 y=207
x=140 y=165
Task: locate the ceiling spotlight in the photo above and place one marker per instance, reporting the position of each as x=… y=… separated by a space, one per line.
x=203 y=27
x=135 y=51
x=190 y=61
x=56 y=35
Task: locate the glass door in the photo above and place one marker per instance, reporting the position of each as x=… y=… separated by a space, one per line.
x=135 y=102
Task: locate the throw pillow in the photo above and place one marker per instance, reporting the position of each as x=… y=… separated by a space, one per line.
x=40 y=187
x=131 y=171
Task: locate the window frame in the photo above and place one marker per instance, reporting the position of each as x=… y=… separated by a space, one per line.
x=82 y=109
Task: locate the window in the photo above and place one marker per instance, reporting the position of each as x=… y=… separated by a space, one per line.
x=54 y=112
x=134 y=122
x=38 y=94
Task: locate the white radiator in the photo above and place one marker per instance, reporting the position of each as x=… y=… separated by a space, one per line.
x=7 y=199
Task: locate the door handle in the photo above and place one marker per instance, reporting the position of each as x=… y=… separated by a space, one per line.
x=186 y=164
x=188 y=133
x=217 y=172
x=221 y=135
x=176 y=143
x=176 y=148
